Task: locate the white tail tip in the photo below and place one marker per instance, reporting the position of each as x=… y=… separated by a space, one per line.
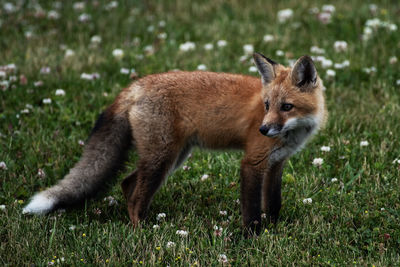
x=40 y=204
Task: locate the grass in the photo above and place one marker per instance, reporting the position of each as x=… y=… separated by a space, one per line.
x=354 y=221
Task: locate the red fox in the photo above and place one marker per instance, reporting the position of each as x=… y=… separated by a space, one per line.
x=164 y=115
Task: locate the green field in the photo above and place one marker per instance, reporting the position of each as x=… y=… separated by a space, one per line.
x=353 y=219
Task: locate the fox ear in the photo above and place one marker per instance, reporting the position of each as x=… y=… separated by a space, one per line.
x=304 y=73
x=265 y=67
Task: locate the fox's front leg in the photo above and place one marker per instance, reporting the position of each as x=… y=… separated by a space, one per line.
x=251 y=184
x=272 y=191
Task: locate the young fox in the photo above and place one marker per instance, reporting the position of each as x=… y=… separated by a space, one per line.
x=164 y=115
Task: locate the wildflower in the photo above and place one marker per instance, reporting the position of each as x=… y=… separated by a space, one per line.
x=307 y=201
x=28 y=34
x=150 y=28
x=162 y=36
x=111 y=5
x=204 y=177
x=9 y=7
x=330 y=73
x=342 y=65
x=72 y=227
x=60 y=92
x=41 y=173
x=325 y=17
x=3 y=74
x=90 y=76
x=25 y=111
x=69 y=53
x=208 y=46
x=148 y=49
x=284 y=15
x=382 y=209
x=47 y=101
x=97 y=211
x=314 y=10
x=162 y=23
x=23 y=80
x=124 y=71
x=3 y=166
x=182 y=233
x=83 y=235
x=161 y=216
x=171 y=244
x=318 y=161
x=223 y=212
x=325 y=148
x=2 y=207
x=334 y=180
x=364 y=143
x=248 y=49
x=96 y=39
x=84 y=17
x=156 y=226
x=326 y=63
x=222 y=258
x=279 y=53
x=268 y=38
x=252 y=69
x=398 y=82
x=81 y=143
x=186 y=168
x=393 y=60
x=222 y=43
x=316 y=50
x=340 y=46
x=118 y=53
x=111 y=201
x=202 y=67
x=79 y=6
x=328 y=8
x=45 y=70
x=373 y=8
x=53 y=15
x=187 y=46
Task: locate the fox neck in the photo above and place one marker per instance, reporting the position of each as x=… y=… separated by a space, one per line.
x=294 y=138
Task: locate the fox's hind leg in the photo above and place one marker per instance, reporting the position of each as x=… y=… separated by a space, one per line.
x=142 y=184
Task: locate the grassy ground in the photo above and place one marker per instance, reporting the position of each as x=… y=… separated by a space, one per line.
x=352 y=221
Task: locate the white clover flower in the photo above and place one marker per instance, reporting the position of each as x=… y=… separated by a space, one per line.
x=326 y=63
x=325 y=148
x=342 y=65
x=72 y=227
x=84 y=17
x=340 y=46
x=25 y=111
x=268 y=38
x=79 y=6
x=318 y=161
x=284 y=15
x=90 y=76
x=47 y=101
x=162 y=23
x=162 y=35
x=222 y=43
x=314 y=10
x=328 y=8
x=96 y=39
x=188 y=46
x=3 y=165
x=28 y=34
x=248 y=49
x=161 y=216
x=382 y=209
x=81 y=143
x=149 y=49
x=41 y=173
x=393 y=60
x=307 y=201
x=53 y=15
x=253 y=69
x=111 y=201
x=9 y=7
x=202 y=67
x=223 y=212
x=69 y=53
x=2 y=207
x=124 y=71
x=45 y=70
x=330 y=73
x=150 y=28
x=370 y=70
x=118 y=53
x=204 y=177
x=3 y=74
x=171 y=244
x=222 y=258
x=325 y=17
x=280 y=53
x=111 y=5
x=317 y=50
x=182 y=233
x=156 y=226
x=29 y=106
x=60 y=92
x=208 y=46
x=186 y=168
x=364 y=143
x=373 y=8
x=392 y=27
x=398 y=82
x=4 y=85
x=334 y=180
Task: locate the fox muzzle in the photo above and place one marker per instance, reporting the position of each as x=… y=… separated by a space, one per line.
x=271 y=130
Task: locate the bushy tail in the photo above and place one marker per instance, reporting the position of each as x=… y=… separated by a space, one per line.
x=102 y=156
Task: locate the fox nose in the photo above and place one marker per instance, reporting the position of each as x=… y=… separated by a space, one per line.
x=270 y=130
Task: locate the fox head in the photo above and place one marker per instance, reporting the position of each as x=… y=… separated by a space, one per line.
x=292 y=97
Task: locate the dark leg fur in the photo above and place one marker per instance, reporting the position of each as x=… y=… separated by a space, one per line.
x=272 y=191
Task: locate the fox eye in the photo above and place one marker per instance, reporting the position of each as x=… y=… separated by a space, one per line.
x=286 y=107
x=267 y=105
